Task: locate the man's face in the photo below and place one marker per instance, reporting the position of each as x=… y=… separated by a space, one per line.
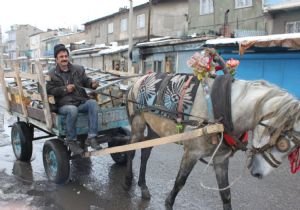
x=62 y=59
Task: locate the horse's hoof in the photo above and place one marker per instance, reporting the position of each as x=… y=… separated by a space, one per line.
x=227 y=206
x=168 y=206
x=146 y=194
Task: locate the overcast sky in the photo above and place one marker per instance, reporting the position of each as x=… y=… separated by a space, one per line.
x=57 y=13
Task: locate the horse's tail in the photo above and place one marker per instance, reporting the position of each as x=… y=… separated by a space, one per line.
x=129 y=97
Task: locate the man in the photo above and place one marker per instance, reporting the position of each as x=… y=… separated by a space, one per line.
x=66 y=85
x=117 y=67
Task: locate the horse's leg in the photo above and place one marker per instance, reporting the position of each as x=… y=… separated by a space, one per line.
x=221 y=170
x=142 y=180
x=188 y=162
x=137 y=131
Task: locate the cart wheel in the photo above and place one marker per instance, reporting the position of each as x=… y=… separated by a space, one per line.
x=119 y=158
x=21 y=140
x=56 y=161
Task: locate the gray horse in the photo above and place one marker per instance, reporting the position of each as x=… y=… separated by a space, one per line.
x=253 y=104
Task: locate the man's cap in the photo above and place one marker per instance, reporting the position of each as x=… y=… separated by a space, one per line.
x=58 y=48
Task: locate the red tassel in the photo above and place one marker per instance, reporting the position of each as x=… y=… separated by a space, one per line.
x=294 y=159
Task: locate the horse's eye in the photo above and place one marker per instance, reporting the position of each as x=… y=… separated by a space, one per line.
x=283 y=144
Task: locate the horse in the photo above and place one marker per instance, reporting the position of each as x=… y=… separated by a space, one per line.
x=269 y=111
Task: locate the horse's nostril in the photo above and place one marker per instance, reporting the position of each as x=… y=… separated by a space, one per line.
x=257 y=175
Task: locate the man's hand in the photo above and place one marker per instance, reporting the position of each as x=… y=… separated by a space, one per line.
x=95 y=84
x=70 y=88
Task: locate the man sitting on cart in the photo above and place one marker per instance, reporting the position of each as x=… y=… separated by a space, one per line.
x=66 y=85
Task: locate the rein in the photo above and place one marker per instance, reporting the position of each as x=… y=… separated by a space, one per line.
x=159 y=108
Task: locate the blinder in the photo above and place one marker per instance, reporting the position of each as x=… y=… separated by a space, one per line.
x=281 y=142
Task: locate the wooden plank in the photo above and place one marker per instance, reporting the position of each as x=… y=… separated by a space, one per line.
x=20 y=88
x=13 y=90
x=42 y=85
x=10 y=74
x=25 y=75
x=4 y=89
x=36 y=122
x=2 y=78
x=210 y=129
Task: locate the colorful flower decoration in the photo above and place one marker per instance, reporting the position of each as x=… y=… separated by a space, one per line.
x=232 y=64
x=201 y=64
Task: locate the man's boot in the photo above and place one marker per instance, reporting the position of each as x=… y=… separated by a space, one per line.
x=75 y=148
x=93 y=143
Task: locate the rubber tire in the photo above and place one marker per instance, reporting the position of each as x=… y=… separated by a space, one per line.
x=119 y=158
x=57 y=150
x=26 y=136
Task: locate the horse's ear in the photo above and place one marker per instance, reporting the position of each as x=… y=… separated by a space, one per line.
x=296 y=126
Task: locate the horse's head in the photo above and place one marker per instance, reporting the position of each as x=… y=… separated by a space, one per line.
x=271 y=144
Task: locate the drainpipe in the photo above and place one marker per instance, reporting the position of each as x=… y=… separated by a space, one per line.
x=226 y=26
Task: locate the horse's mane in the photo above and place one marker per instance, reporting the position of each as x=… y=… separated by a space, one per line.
x=286 y=107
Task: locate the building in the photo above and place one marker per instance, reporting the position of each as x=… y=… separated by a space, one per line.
x=283 y=15
x=36 y=44
x=156 y=19
x=62 y=37
x=274 y=58
x=240 y=18
x=18 y=43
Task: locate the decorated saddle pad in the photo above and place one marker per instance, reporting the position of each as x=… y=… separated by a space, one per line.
x=174 y=93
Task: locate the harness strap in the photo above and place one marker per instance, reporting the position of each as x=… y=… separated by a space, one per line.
x=180 y=104
x=236 y=143
x=271 y=159
x=162 y=90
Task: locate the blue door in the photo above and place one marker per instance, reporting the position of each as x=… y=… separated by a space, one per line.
x=282 y=69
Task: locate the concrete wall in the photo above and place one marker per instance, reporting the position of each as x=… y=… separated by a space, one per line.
x=169 y=19
x=248 y=18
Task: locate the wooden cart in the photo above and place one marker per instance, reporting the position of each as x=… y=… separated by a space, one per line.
x=26 y=98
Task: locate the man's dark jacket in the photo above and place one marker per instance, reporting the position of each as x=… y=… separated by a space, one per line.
x=57 y=86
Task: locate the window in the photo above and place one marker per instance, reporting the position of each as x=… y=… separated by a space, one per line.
x=243 y=3
x=110 y=28
x=124 y=25
x=157 y=66
x=140 y=21
x=293 y=27
x=206 y=7
x=147 y=66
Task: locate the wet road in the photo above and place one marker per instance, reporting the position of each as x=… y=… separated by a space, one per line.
x=96 y=183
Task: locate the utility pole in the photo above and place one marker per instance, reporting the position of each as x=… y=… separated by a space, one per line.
x=130 y=39
x=1 y=49
x=149 y=21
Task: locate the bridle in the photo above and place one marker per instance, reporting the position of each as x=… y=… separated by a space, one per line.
x=282 y=143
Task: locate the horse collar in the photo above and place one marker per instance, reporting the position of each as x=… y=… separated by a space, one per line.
x=236 y=143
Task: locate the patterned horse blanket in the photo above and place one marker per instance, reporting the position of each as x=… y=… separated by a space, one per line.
x=172 y=92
